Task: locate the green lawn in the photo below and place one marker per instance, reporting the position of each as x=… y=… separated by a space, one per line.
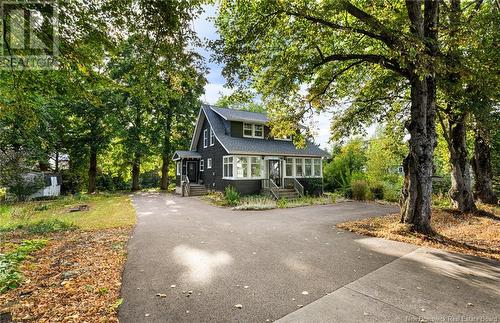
x=106 y=211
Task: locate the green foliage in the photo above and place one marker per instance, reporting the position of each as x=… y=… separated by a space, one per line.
x=282 y=203
x=10 y=276
x=47 y=226
x=377 y=190
x=339 y=172
x=231 y=196
x=359 y=189
x=392 y=191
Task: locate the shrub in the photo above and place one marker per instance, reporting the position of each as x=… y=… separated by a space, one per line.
x=392 y=192
x=359 y=189
x=231 y=196
x=377 y=190
x=282 y=203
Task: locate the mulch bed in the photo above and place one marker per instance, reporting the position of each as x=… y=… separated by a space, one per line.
x=476 y=234
x=75 y=278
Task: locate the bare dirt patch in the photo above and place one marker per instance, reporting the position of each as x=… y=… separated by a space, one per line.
x=474 y=234
x=76 y=277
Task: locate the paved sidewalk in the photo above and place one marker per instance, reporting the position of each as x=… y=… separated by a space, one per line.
x=425 y=285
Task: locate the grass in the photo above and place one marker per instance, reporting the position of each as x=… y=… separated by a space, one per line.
x=474 y=233
x=105 y=211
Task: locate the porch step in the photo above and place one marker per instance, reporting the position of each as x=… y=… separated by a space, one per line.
x=197 y=190
x=287 y=193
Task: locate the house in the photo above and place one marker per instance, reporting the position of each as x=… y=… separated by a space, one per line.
x=235 y=147
x=51 y=186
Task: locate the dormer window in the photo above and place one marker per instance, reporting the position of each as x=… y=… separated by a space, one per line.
x=253 y=130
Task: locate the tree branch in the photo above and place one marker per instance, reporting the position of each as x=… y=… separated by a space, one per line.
x=333 y=25
x=371 y=58
x=385 y=34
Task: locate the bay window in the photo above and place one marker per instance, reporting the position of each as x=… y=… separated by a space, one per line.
x=255 y=167
x=241 y=167
x=227 y=166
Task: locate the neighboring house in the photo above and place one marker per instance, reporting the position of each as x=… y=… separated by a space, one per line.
x=234 y=147
x=52 y=184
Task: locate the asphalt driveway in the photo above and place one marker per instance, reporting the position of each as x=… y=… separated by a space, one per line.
x=189 y=261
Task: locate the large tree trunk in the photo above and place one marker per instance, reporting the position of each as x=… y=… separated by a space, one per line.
x=165 y=180
x=417 y=191
x=92 y=170
x=136 y=169
x=461 y=187
x=481 y=165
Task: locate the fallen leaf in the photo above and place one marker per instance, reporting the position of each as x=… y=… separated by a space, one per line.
x=238 y=306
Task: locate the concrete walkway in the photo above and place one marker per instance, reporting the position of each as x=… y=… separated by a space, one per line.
x=191 y=262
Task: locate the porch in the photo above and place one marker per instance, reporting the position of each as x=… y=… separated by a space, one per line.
x=188 y=177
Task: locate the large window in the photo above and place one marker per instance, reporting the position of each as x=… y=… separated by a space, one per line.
x=255 y=167
x=253 y=130
x=205 y=138
x=227 y=167
x=289 y=167
x=212 y=137
x=241 y=167
x=317 y=167
x=298 y=167
x=308 y=167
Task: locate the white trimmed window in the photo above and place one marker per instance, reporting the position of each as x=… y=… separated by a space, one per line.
x=212 y=141
x=241 y=167
x=253 y=130
x=202 y=165
x=178 y=168
x=205 y=138
x=289 y=167
x=227 y=168
x=255 y=167
x=308 y=167
x=317 y=167
x=258 y=131
x=299 y=172
x=209 y=163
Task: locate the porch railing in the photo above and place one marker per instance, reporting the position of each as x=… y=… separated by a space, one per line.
x=298 y=187
x=186 y=185
x=271 y=186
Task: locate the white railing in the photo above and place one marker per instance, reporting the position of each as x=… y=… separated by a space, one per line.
x=298 y=187
x=185 y=185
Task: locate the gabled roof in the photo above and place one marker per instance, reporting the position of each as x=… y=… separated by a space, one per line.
x=239 y=115
x=185 y=154
x=246 y=146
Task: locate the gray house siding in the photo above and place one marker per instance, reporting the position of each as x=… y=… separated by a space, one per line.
x=211 y=177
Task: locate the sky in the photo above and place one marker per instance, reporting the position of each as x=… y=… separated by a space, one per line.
x=206 y=30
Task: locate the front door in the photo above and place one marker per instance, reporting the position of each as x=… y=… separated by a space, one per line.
x=192 y=171
x=275 y=171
